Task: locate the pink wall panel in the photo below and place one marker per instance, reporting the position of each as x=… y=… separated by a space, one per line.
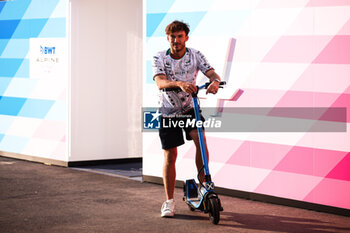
x=286 y=54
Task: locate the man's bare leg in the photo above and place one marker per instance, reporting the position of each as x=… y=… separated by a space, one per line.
x=199 y=162
x=169 y=172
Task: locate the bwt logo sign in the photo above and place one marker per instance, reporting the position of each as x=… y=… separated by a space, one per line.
x=151 y=120
x=47 y=50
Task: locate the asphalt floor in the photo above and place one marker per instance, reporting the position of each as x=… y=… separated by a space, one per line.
x=39 y=198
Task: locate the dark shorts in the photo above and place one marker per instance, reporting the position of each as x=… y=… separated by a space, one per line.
x=171 y=134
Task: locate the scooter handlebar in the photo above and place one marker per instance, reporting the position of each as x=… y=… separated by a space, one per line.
x=206 y=85
x=221 y=84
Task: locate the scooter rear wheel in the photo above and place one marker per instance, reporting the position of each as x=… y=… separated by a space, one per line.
x=214 y=210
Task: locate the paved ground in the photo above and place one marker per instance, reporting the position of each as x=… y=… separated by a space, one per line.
x=39 y=198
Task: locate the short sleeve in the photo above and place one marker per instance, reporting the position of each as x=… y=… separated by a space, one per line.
x=203 y=63
x=158 y=65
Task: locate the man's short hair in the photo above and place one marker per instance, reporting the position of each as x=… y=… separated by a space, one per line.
x=177 y=26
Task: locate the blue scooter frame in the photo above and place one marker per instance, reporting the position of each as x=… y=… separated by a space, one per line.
x=208 y=201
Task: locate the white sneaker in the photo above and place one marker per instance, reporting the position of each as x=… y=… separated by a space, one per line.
x=168 y=208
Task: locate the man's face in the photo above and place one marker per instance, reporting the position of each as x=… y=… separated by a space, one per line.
x=177 y=40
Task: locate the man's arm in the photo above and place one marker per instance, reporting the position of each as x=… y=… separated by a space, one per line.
x=214 y=86
x=162 y=82
x=212 y=75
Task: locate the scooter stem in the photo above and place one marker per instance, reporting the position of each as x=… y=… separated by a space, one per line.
x=201 y=138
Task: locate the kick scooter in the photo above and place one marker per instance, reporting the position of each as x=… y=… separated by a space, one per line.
x=208 y=201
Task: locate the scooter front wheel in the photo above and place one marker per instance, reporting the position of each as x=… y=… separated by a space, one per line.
x=214 y=210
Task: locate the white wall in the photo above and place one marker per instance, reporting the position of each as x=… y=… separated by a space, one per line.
x=106 y=79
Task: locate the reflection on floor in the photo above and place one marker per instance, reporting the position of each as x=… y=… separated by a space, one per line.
x=125 y=170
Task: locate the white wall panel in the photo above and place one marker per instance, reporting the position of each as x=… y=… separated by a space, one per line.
x=106 y=48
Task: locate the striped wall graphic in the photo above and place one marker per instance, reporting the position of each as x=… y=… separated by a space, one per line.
x=32 y=108
x=287 y=54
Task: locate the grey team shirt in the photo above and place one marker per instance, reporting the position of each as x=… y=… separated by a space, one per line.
x=184 y=69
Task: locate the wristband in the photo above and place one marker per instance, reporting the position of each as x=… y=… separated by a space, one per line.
x=217 y=80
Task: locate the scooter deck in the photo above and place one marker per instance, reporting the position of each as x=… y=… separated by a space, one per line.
x=194 y=200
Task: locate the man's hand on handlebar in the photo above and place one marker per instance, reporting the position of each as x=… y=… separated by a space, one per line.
x=188 y=87
x=213 y=88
